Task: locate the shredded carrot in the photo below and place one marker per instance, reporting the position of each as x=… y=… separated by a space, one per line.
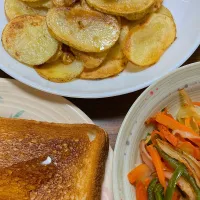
x=139 y=173
x=189 y=148
x=169 y=136
x=146 y=182
x=187 y=122
x=154 y=133
x=158 y=164
x=150 y=120
x=196 y=103
x=141 y=192
x=172 y=123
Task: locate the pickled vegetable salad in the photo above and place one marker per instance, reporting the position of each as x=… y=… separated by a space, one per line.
x=170 y=155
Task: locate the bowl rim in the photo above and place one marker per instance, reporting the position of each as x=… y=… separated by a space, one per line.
x=125 y=121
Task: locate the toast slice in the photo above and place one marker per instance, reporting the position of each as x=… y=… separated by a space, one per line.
x=51 y=161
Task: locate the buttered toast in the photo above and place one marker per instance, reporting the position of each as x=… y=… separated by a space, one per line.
x=51 y=161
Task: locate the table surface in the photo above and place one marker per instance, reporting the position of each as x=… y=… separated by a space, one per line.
x=109 y=113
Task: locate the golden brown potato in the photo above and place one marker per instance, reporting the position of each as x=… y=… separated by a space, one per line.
x=60 y=3
x=57 y=55
x=146 y=43
x=32 y=0
x=131 y=9
x=114 y=63
x=63 y=54
x=163 y=10
x=82 y=29
x=67 y=58
x=41 y=4
x=15 y=8
x=59 y=72
x=90 y=60
x=157 y=5
x=26 y=38
x=85 y=5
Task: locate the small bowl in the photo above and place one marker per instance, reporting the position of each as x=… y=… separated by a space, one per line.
x=153 y=99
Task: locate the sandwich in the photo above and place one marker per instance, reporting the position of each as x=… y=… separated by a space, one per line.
x=51 y=161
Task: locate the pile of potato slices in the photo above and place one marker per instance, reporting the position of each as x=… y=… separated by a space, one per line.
x=87 y=39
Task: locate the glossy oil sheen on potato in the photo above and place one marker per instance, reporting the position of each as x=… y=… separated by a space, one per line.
x=26 y=38
x=85 y=30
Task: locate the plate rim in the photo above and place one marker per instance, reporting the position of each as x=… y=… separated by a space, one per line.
x=125 y=121
x=103 y=94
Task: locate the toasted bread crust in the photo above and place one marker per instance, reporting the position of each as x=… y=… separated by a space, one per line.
x=82 y=152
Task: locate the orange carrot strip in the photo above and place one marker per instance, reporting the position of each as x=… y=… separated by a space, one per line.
x=139 y=173
x=196 y=103
x=169 y=136
x=146 y=182
x=158 y=164
x=154 y=132
x=150 y=120
x=141 y=192
x=173 y=124
x=190 y=149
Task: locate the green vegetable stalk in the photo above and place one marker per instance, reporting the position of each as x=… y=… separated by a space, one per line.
x=175 y=164
x=173 y=181
x=150 y=189
x=158 y=192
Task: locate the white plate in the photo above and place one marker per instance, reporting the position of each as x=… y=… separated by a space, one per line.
x=186 y=14
x=155 y=98
x=20 y=101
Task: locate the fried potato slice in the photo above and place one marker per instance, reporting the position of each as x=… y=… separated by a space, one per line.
x=67 y=3
x=90 y=60
x=146 y=43
x=131 y=9
x=163 y=10
x=26 y=38
x=41 y=4
x=32 y=0
x=67 y=58
x=85 y=30
x=85 y=5
x=157 y=5
x=57 y=55
x=63 y=54
x=59 y=72
x=114 y=63
x=15 y=8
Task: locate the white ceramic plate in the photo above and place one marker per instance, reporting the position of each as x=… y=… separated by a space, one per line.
x=186 y=14
x=155 y=98
x=20 y=101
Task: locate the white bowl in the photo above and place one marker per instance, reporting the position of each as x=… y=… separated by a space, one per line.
x=155 y=98
x=186 y=14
